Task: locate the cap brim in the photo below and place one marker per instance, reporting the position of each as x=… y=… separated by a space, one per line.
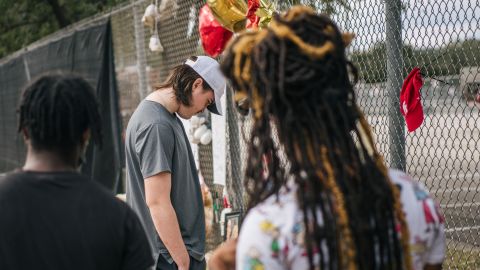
x=213 y=108
x=216 y=107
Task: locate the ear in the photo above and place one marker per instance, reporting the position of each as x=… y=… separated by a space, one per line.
x=198 y=83
x=85 y=137
x=26 y=137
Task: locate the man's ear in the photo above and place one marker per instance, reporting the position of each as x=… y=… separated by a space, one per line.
x=197 y=83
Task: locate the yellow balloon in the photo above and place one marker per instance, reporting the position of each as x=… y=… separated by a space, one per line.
x=265 y=12
x=231 y=14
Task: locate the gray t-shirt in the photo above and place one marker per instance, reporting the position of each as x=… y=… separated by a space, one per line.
x=156 y=142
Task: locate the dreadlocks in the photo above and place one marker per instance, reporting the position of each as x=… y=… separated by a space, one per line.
x=56 y=110
x=295 y=76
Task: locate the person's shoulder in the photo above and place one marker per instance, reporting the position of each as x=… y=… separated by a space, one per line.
x=150 y=112
x=424 y=218
x=158 y=125
x=398 y=176
x=12 y=180
x=404 y=180
x=415 y=197
x=106 y=199
x=148 y=115
x=101 y=191
x=14 y=186
x=17 y=173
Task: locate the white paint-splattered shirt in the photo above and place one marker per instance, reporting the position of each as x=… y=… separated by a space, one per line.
x=272 y=234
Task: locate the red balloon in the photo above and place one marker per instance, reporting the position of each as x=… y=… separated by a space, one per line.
x=214 y=37
x=253 y=19
x=253 y=5
x=253 y=24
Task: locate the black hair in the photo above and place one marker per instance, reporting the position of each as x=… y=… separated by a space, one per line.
x=56 y=110
x=296 y=78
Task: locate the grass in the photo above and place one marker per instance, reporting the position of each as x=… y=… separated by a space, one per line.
x=462 y=258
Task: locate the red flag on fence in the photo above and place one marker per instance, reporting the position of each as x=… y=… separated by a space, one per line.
x=410 y=100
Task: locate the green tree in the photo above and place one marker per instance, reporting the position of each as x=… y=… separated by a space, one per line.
x=447 y=60
x=25 y=21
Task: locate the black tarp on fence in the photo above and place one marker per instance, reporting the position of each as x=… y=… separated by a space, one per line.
x=87 y=52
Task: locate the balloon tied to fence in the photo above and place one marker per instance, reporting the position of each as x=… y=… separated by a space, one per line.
x=219 y=19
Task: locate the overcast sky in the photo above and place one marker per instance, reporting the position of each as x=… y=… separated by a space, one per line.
x=426 y=23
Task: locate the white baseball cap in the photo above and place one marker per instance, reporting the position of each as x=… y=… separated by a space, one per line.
x=209 y=69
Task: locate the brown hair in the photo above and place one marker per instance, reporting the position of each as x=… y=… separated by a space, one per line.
x=181 y=79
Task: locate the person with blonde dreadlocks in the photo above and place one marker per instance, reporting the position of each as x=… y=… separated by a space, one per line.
x=333 y=204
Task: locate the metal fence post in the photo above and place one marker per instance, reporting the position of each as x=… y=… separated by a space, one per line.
x=394 y=46
x=236 y=185
x=140 y=51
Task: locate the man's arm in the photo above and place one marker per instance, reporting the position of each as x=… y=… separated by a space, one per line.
x=157 y=196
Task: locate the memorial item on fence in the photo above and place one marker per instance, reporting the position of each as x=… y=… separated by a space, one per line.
x=155 y=45
x=259 y=13
x=150 y=18
x=226 y=210
x=253 y=19
x=199 y=131
x=231 y=14
x=213 y=35
x=410 y=100
x=232 y=225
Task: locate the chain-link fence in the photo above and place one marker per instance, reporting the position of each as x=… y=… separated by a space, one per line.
x=442 y=37
x=393 y=36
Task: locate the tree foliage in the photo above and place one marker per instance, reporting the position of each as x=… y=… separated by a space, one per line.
x=25 y=21
x=447 y=60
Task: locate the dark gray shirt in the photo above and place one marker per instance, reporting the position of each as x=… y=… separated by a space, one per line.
x=156 y=142
x=64 y=220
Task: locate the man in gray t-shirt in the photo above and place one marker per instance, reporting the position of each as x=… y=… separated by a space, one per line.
x=162 y=181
